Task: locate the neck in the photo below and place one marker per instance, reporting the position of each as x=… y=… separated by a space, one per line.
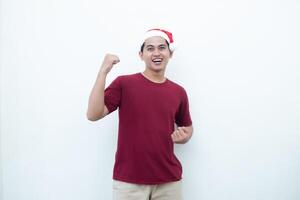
x=157 y=77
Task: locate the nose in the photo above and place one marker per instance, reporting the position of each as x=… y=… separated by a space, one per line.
x=156 y=51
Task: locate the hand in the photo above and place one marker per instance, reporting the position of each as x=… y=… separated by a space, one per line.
x=181 y=135
x=109 y=61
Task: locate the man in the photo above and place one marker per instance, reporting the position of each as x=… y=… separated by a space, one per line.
x=153 y=115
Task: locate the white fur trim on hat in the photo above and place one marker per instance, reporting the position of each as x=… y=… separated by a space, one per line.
x=162 y=33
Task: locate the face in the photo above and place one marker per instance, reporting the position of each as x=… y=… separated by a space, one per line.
x=156 y=53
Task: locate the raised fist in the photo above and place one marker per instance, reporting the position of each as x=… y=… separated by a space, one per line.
x=108 y=62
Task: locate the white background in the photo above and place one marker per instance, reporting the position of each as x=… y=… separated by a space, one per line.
x=238 y=60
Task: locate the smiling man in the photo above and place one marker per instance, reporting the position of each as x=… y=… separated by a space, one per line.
x=153 y=115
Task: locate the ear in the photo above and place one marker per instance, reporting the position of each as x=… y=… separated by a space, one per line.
x=141 y=55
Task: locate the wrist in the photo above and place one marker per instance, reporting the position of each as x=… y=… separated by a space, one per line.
x=103 y=71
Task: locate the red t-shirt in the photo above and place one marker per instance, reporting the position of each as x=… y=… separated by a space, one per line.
x=147 y=114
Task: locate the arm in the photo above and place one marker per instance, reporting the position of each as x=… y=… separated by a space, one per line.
x=96 y=106
x=182 y=135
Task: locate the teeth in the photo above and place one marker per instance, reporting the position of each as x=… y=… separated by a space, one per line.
x=157 y=60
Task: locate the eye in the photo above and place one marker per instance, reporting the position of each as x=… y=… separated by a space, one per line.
x=150 y=49
x=162 y=47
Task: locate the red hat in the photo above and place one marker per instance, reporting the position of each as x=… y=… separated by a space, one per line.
x=162 y=33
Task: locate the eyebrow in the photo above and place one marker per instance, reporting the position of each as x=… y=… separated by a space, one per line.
x=149 y=45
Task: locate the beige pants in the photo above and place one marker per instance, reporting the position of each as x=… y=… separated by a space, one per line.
x=129 y=191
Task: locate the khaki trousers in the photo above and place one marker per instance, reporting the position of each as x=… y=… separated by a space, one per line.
x=130 y=191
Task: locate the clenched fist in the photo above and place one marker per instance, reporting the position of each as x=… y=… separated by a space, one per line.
x=109 y=61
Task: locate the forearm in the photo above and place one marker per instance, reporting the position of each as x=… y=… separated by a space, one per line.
x=96 y=100
x=182 y=134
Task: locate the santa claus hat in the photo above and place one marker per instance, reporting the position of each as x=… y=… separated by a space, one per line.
x=162 y=33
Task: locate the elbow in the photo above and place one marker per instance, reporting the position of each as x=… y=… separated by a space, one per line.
x=92 y=117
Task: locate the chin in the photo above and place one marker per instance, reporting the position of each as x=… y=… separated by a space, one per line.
x=158 y=68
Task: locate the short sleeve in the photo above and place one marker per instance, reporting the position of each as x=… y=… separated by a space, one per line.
x=183 y=117
x=112 y=95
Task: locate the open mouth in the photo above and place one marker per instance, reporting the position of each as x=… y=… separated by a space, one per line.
x=157 y=61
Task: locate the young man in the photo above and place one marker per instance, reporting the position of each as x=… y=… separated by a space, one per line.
x=153 y=115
